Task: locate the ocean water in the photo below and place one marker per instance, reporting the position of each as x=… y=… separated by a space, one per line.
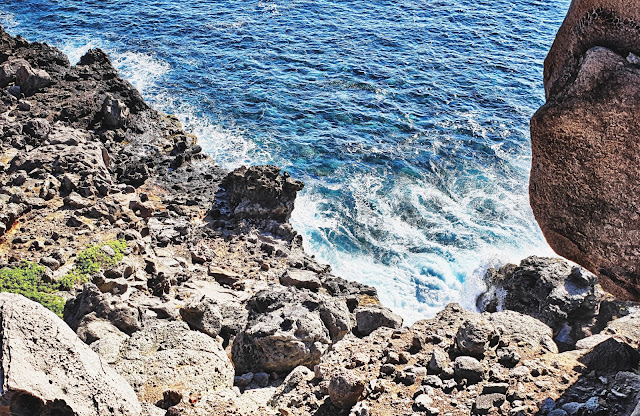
x=407 y=119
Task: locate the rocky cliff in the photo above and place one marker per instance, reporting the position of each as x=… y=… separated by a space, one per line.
x=185 y=291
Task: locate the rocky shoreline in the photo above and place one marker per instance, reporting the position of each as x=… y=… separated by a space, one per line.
x=187 y=292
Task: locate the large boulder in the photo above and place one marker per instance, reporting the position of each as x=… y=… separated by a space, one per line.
x=47 y=369
x=289 y=327
x=167 y=356
x=564 y=296
x=586 y=154
x=261 y=192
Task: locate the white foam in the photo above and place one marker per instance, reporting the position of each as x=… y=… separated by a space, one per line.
x=228 y=146
x=8 y=20
x=143 y=70
x=421 y=272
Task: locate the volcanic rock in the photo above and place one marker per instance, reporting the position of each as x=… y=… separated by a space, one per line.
x=47 y=369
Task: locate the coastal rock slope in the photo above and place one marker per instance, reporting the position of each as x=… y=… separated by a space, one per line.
x=193 y=289
x=585 y=174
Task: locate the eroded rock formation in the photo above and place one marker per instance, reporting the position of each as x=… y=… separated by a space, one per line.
x=585 y=173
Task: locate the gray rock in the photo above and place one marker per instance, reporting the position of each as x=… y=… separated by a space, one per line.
x=287 y=327
x=433 y=381
x=203 y=315
x=50 y=262
x=370 y=318
x=468 y=368
x=169 y=356
x=114 y=113
x=423 y=402
x=439 y=361
x=557 y=412
x=485 y=402
x=526 y=331
x=42 y=358
x=302 y=279
x=474 y=335
x=261 y=379
x=243 y=380
x=298 y=376
x=561 y=295
x=345 y=389
x=9 y=69
x=91 y=303
x=31 y=79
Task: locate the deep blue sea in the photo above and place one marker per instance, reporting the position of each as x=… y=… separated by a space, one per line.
x=408 y=120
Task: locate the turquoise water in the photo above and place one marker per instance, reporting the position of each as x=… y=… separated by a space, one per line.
x=408 y=120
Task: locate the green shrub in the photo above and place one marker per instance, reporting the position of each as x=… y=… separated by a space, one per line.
x=27 y=278
x=91 y=260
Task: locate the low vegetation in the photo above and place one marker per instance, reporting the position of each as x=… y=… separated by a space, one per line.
x=28 y=279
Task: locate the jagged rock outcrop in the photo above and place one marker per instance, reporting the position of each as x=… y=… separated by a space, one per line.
x=566 y=297
x=585 y=170
x=48 y=370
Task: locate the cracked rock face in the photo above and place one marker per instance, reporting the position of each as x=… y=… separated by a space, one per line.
x=585 y=173
x=42 y=358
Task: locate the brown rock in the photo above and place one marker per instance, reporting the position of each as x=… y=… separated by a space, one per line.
x=345 y=389
x=585 y=169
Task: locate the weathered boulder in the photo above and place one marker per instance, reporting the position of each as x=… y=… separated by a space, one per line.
x=345 y=389
x=114 y=113
x=288 y=327
x=203 y=315
x=474 y=335
x=563 y=296
x=168 y=356
x=92 y=304
x=370 y=318
x=31 y=79
x=585 y=167
x=261 y=192
x=47 y=369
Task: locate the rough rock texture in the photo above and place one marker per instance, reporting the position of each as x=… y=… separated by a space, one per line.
x=48 y=370
x=584 y=175
x=168 y=356
x=564 y=296
x=288 y=328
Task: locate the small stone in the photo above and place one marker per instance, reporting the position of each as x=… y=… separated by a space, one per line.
x=50 y=262
x=422 y=402
x=572 y=408
x=108 y=250
x=302 y=279
x=433 y=381
x=345 y=389
x=508 y=357
x=520 y=372
x=469 y=368
x=485 y=402
x=439 y=360
x=370 y=318
x=393 y=357
x=592 y=405
x=261 y=379
x=243 y=380
x=557 y=412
